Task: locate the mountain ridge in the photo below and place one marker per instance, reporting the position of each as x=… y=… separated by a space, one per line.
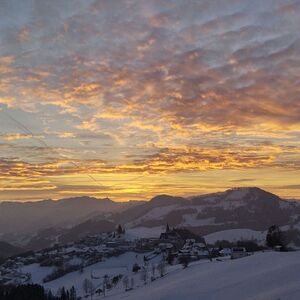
x=247 y=207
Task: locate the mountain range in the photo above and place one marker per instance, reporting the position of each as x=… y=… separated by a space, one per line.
x=40 y=224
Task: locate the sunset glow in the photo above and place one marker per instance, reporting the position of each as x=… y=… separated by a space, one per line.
x=130 y=99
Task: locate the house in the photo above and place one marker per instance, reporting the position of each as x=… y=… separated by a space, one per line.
x=193 y=249
x=146 y=244
x=238 y=252
x=225 y=252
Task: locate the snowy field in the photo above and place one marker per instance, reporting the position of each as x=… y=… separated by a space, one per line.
x=111 y=267
x=263 y=276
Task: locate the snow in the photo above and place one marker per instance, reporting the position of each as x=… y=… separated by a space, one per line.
x=37 y=272
x=286 y=204
x=145 y=232
x=157 y=213
x=191 y=220
x=237 y=194
x=233 y=235
x=112 y=267
x=263 y=276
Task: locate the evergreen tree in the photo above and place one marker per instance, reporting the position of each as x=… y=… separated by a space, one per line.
x=274 y=237
x=135 y=268
x=73 y=295
x=50 y=295
x=170 y=258
x=63 y=294
x=119 y=229
x=167 y=228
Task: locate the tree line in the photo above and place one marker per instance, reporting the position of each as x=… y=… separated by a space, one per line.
x=34 y=292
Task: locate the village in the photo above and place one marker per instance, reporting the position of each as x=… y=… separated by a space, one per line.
x=174 y=246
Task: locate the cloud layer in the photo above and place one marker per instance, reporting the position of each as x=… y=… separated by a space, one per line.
x=140 y=87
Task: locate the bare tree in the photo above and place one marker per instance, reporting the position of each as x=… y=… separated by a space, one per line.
x=88 y=287
x=144 y=274
x=153 y=270
x=132 y=283
x=85 y=285
x=161 y=268
x=125 y=282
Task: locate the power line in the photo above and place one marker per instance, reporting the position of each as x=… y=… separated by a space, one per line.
x=26 y=130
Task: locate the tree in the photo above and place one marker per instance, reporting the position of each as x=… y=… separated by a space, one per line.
x=63 y=294
x=170 y=258
x=119 y=229
x=116 y=279
x=153 y=270
x=132 y=283
x=49 y=295
x=88 y=287
x=73 y=295
x=25 y=291
x=144 y=274
x=105 y=283
x=274 y=237
x=135 y=268
x=184 y=260
x=167 y=228
x=125 y=282
x=85 y=285
x=161 y=268
x=99 y=291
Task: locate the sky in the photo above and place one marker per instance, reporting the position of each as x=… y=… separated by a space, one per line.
x=128 y=99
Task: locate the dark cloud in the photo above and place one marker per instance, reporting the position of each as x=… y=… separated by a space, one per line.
x=242 y=180
x=291 y=187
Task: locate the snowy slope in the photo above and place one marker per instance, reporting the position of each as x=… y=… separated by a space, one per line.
x=144 y=232
x=112 y=266
x=263 y=276
x=233 y=235
x=235 y=208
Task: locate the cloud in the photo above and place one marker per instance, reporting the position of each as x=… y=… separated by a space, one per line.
x=291 y=187
x=163 y=86
x=16 y=136
x=242 y=180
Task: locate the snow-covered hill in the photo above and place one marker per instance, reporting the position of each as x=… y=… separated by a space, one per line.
x=242 y=211
x=260 y=275
x=263 y=276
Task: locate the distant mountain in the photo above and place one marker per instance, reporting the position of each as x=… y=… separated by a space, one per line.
x=50 y=236
x=7 y=250
x=249 y=208
x=156 y=203
x=41 y=224
x=164 y=200
x=23 y=218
